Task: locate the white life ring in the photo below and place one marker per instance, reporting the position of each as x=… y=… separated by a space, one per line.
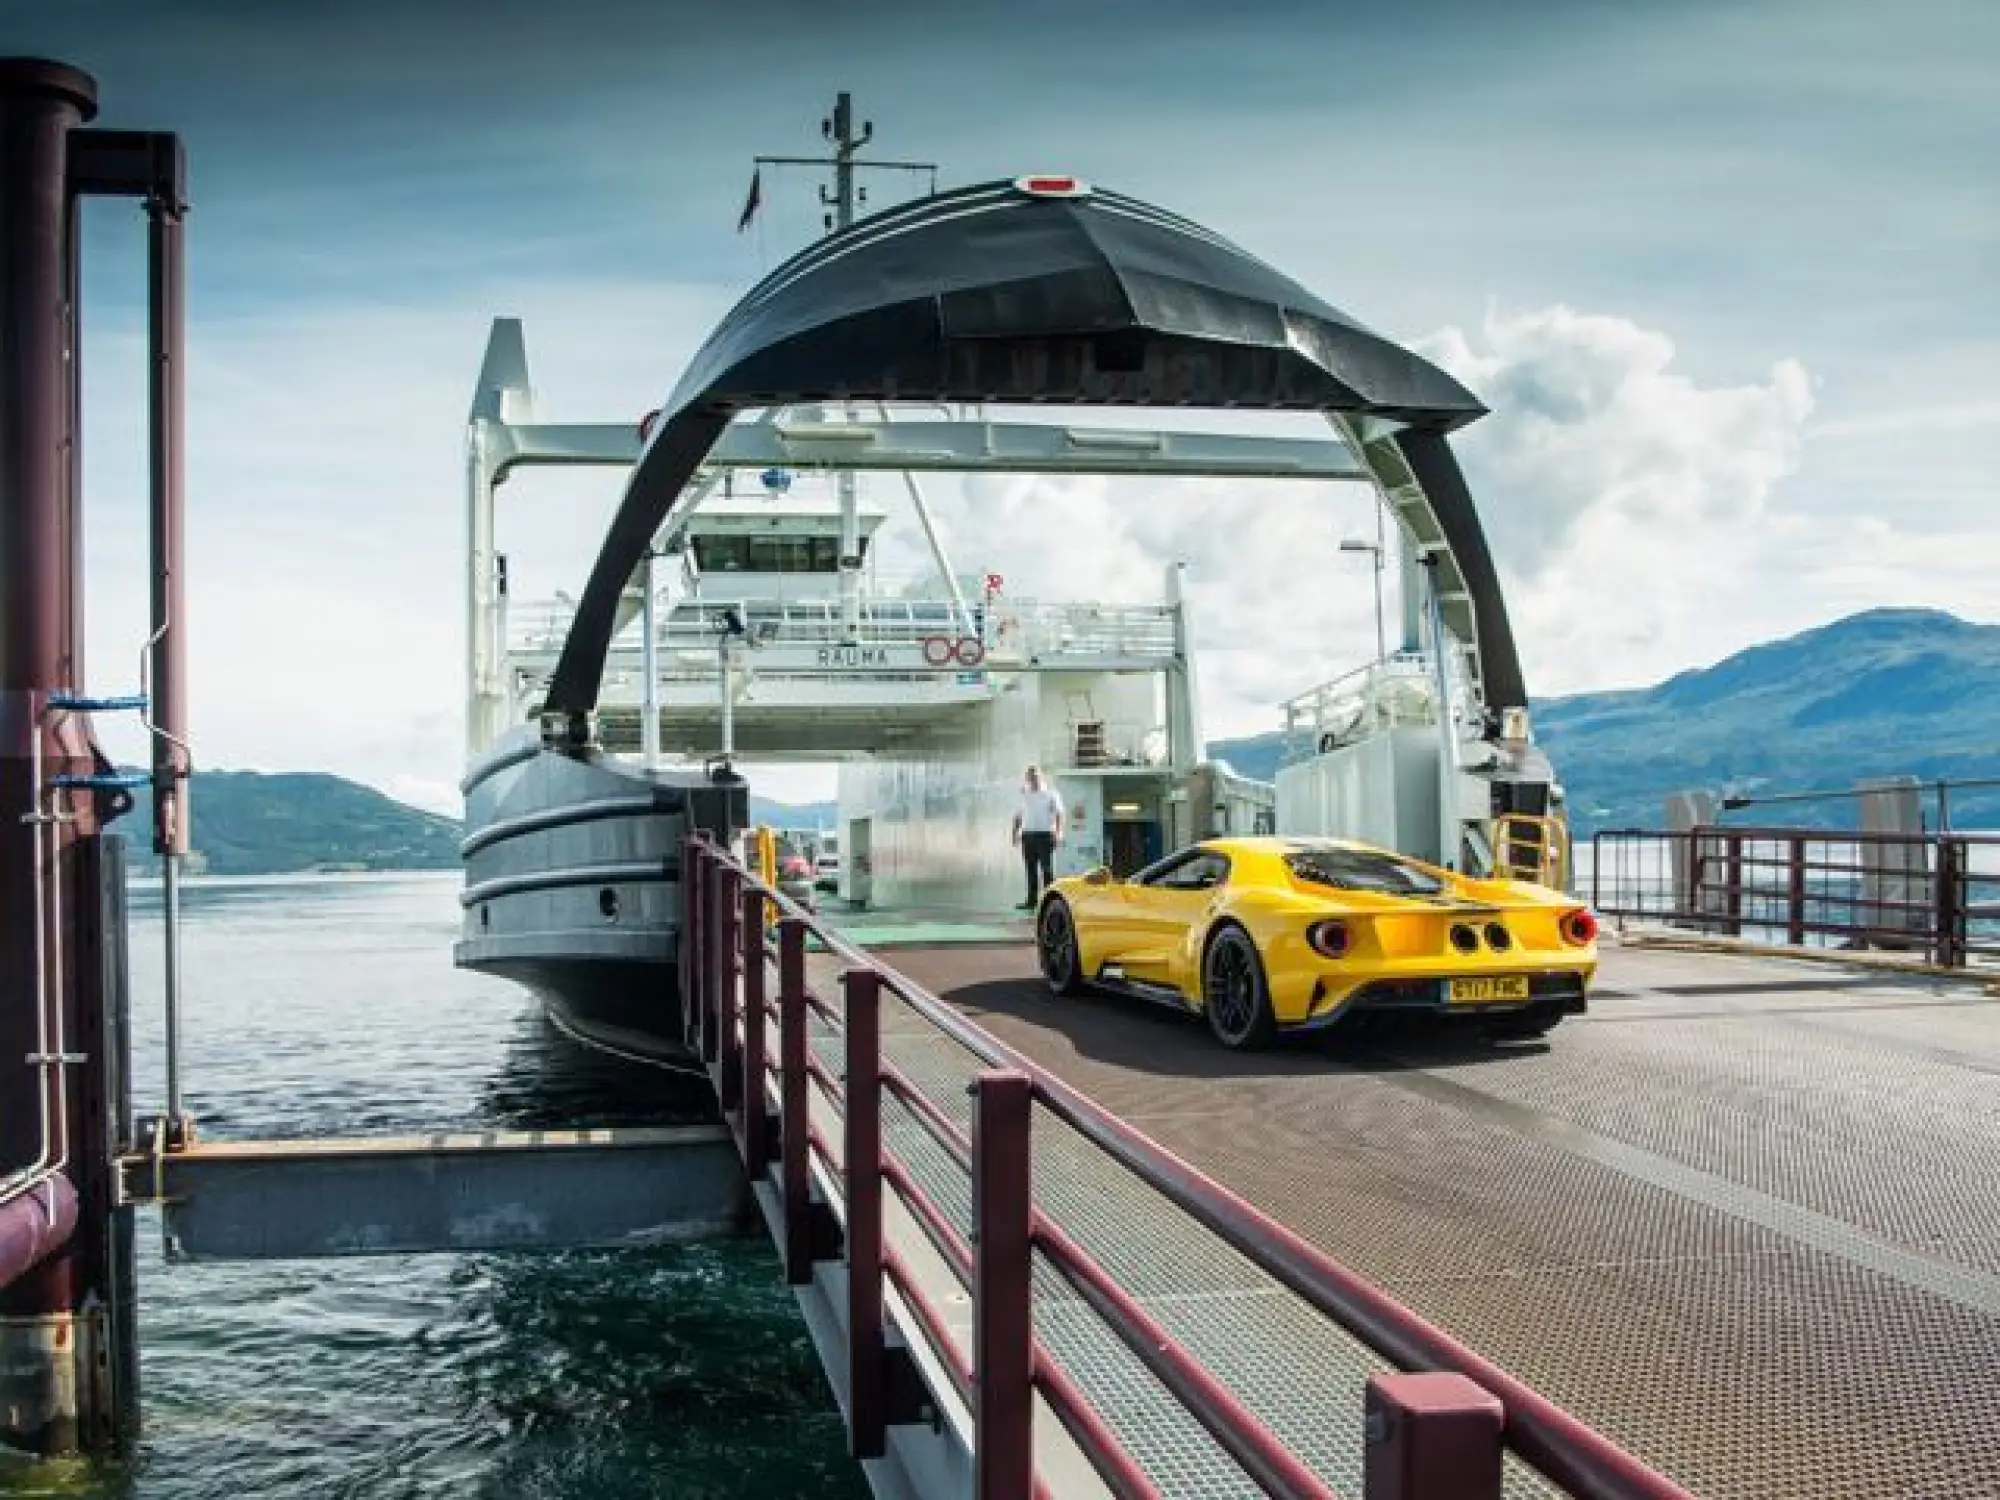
x=939 y=650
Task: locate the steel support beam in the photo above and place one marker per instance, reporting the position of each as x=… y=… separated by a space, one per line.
x=870 y=445
x=501 y=1190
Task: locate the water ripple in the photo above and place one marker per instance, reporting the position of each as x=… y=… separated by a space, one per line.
x=330 y=1006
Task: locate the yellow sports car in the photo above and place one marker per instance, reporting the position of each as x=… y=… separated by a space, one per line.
x=1271 y=935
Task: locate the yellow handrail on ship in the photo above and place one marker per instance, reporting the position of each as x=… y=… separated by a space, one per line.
x=1531 y=848
x=767 y=870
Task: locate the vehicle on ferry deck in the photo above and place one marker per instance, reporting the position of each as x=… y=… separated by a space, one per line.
x=1270 y=935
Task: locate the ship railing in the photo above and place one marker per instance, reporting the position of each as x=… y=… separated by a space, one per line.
x=1933 y=897
x=1006 y=629
x=1397 y=692
x=1034 y=631
x=1435 y=1427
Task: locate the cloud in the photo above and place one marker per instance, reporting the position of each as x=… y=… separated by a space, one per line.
x=1631 y=508
x=1274 y=605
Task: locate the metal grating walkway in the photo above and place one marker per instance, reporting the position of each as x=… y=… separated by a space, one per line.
x=1744 y=1218
x=1283 y=1360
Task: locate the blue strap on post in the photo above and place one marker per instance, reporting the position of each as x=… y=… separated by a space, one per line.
x=77 y=703
x=108 y=781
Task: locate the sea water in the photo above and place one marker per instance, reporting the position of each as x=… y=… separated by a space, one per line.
x=329 y=1006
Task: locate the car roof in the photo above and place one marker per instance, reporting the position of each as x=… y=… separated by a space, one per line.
x=1288 y=844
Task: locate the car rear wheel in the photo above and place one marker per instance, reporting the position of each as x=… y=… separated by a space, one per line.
x=1234 y=993
x=1055 y=941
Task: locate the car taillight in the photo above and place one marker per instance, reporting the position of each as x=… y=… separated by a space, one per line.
x=1579 y=928
x=1328 y=939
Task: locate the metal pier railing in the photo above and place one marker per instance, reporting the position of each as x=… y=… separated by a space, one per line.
x=1931 y=896
x=1002 y=1249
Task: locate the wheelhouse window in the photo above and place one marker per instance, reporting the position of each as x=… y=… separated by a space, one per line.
x=769 y=554
x=1362 y=870
x=722 y=554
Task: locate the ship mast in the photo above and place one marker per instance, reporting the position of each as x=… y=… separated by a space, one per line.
x=841 y=201
x=840 y=130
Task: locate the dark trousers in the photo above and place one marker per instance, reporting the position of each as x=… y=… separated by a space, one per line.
x=1038 y=854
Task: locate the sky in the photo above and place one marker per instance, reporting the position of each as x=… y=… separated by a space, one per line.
x=1723 y=273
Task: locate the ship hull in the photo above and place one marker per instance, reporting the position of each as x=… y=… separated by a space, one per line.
x=573 y=889
x=630 y=1007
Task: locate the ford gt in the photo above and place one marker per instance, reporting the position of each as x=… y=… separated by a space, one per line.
x=1271 y=935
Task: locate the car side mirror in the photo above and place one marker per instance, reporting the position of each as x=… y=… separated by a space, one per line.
x=1100 y=876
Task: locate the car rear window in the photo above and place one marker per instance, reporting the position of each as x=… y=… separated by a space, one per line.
x=1363 y=870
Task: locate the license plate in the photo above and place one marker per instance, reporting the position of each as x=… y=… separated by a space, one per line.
x=1487 y=991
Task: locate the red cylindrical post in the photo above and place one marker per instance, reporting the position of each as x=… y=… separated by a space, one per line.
x=1431 y=1436
x=41 y=103
x=861 y=1156
x=1003 y=1308
x=794 y=1117
x=692 y=854
x=1950 y=938
x=756 y=1118
x=1795 y=892
x=717 y=951
x=1732 y=844
x=721 y=1050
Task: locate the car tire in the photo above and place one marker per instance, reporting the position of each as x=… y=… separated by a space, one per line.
x=1056 y=947
x=1234 y=993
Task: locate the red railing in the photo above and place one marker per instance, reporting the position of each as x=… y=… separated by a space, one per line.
x=1436 y=1433
x=1932 y=895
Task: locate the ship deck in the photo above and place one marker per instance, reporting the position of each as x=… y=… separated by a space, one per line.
x=1743 y=1218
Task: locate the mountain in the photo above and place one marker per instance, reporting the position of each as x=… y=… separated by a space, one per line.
x=1889 y=692
x=253 y=823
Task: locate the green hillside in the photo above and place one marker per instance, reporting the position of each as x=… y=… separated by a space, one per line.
x=253 y=823
x=1889 y=692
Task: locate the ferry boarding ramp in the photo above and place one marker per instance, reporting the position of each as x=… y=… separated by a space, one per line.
x=1731 y=1234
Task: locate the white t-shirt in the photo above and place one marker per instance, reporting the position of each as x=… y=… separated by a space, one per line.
x=1040 y=809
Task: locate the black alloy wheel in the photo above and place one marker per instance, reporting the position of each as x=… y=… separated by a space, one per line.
x=1234 y=993
x=1055 y=942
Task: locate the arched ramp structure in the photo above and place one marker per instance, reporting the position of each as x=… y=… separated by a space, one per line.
x=1047 y=291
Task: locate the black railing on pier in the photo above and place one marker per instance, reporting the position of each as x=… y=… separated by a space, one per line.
x=1928 y=895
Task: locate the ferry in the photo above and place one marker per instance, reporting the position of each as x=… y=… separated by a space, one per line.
x=736 y=614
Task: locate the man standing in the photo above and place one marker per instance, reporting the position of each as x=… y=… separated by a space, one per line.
x=1038 y=826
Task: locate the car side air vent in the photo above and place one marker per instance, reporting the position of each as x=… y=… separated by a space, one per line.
x=1498 y=938
x=1464 y=939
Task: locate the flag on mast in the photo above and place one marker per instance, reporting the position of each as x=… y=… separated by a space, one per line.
x=751 y=203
